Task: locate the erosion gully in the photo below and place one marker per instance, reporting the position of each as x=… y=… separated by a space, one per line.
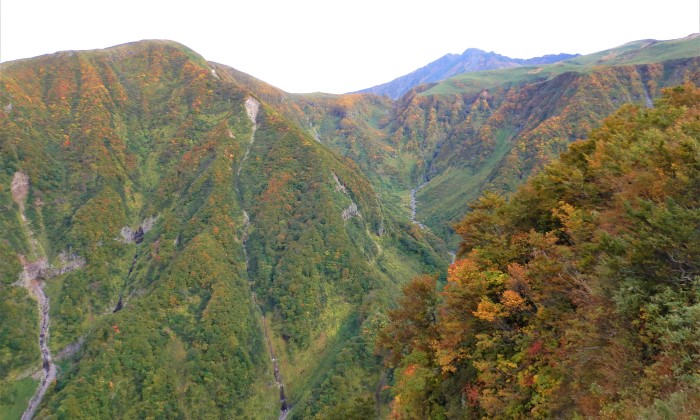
x=252 y=107
x=31 y=279
x=414 y=204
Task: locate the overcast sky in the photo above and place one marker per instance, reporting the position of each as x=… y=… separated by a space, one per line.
x=341 y=46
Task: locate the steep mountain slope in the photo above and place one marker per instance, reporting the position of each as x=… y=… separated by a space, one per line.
x=633 y=53
x=578 y=296
x=482 y=130
x=490 y=130
x=214 y=233
x=352 y=124
x=471 y=60
x=204 y=238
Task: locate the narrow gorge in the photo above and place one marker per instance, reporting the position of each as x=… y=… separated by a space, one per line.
x=31 y=279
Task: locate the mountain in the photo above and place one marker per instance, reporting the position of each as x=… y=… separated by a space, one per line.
x=185 y=234
x=444 y=143
x=577 y=296
x=185 y=240
x=491 y=130
x=471 y=60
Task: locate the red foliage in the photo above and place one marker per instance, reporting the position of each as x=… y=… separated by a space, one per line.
x=534 y=349
x=471 y=392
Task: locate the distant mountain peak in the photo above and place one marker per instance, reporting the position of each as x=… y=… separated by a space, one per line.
x=471 y=60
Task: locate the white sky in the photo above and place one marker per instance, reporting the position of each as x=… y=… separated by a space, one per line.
x=341 y=46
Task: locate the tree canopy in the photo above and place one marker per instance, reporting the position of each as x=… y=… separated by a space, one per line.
x=577 y=296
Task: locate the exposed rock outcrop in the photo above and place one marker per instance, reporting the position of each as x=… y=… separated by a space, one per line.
x=20 y=188
x=351 y=211
x=252 y=106
x=135 y=235
x=41 y=269
x=338 y=185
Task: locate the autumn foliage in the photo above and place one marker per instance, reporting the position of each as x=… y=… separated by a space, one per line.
x=579 y=295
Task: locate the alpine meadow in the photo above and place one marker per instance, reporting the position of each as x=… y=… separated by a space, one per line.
x=485 y=237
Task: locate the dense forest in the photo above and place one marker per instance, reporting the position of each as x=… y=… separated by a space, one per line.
x=487 y=130
x=579 y=295
x=181 y=240
x=212 y=235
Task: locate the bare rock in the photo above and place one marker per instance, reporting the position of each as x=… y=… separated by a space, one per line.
x=20 y=187
x=127 y=235
x=338 y=185
x=130 y=235
x=252 y=106
x=33 y=270
x=351 y=211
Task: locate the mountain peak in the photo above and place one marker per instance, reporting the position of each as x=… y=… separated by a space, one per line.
x=473 y=51
x=471 y=60
x=122 y=50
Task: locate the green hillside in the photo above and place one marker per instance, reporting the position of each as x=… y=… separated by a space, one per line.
x=633 y=53
x=486 y=130
x=490 y=130
x=577 y=297
x=187 y=241
x=213 y=234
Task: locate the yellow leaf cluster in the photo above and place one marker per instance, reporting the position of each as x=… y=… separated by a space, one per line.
x=488 y=311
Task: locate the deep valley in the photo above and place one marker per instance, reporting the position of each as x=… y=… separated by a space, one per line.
x=484 y=238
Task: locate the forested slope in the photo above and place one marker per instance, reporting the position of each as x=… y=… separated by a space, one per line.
x=578 y=295
x=204 y=226
x=204 y=238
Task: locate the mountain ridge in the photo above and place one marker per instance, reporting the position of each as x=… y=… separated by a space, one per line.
x=299 y=223
x=471 y=60
x=259 y=231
